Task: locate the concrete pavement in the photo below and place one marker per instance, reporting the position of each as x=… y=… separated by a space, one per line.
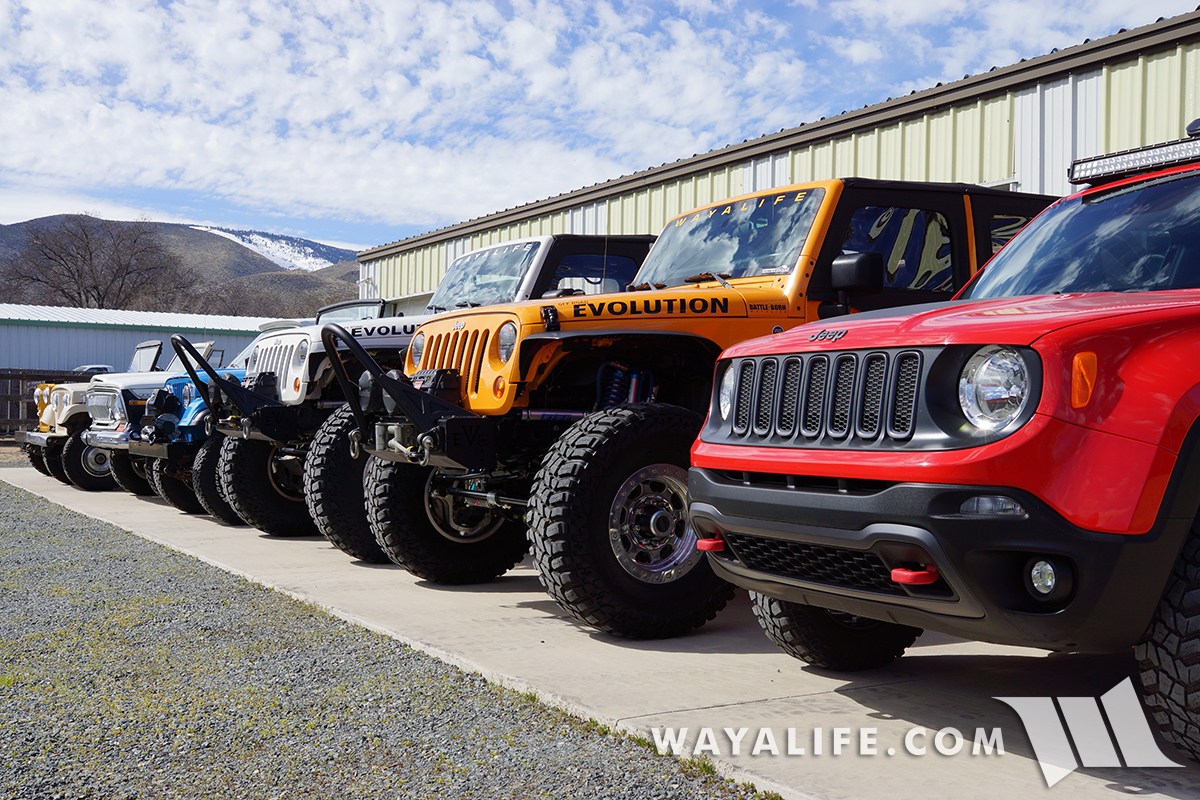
x=726 y=675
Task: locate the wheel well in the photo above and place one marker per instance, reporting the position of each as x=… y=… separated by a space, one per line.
x=680 y=368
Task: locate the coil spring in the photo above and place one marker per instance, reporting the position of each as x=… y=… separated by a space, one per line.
x=614 y=389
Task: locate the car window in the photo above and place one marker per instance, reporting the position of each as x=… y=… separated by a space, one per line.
x=915 y=243
x=591 y=273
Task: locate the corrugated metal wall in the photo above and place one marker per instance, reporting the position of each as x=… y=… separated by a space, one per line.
x=49 y=346
x=1024 y=139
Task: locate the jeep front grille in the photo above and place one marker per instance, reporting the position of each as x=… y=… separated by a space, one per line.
x=275 y=358
x=462 y=350
x=838 y=398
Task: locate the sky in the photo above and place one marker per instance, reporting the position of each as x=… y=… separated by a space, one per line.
x=361 y=122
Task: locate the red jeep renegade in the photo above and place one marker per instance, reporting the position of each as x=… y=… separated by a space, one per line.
x=1017 y=465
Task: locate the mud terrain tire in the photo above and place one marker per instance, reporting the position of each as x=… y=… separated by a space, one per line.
x=396 y=509
x=831 y=639
x=333 y=489
x=206 y=481
x=609 y=525
x=253 y=480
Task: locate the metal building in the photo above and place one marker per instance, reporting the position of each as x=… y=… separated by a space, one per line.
x=1018 y=126
x=53 y=337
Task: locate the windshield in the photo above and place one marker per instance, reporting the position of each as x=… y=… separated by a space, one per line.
x=1138 y=238
x=755 y=236
x=484 y=277
x=144 y=357
x=239 y=361
x=176 y=365
x=368 y=310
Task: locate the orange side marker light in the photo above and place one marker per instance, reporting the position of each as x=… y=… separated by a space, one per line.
x=1083 y=379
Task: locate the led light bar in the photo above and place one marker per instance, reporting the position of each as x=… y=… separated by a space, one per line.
x=1108 y=168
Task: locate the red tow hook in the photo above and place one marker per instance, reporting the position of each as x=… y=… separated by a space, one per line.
x=713 y=545
x=914 y=577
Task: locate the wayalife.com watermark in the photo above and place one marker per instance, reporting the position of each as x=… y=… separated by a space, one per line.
x=1098 y=728
x=818 y=742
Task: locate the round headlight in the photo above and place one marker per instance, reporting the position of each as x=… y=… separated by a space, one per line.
x=506 y=341
x=301 y=353
x=725 y=395
x=417 y=348
x=252 y=362
x=994 y=387
x=188 y=393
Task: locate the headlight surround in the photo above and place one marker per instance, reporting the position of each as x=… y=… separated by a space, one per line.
x=725 y=392
x=301 y=353
x=506 y=341
x=994 y=387
x=187 y=393
x=416 y=348
x=252 y=362
x=59 y=398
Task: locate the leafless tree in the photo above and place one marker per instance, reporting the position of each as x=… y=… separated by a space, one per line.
x=83 y=261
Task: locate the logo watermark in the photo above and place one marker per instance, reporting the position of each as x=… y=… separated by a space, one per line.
x=863 y=742
x=1083 y=722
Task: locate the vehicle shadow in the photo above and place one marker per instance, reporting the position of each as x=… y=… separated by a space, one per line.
x=944 y=690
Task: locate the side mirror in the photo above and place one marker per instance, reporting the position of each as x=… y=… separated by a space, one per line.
x=858 y=273
x=852 y=273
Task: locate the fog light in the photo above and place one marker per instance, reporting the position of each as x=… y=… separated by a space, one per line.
x=991 y=505
x=1042 y=577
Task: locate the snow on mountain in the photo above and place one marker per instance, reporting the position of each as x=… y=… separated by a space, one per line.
x=288 y=252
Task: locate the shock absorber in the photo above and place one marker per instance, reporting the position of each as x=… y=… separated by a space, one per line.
x=612 y=384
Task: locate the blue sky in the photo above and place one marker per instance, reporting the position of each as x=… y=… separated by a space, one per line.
x=360 y=122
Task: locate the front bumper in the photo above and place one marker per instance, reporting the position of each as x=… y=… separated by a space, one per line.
x=107 y=439
x=835 y=548
x=33 y=438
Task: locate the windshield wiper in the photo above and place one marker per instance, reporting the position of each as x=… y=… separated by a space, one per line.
x=647 y=287
x=467 y=304
x=435 y=309
x=719 y=277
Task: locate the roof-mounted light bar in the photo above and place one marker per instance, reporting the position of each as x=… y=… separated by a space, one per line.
x=1113 y=166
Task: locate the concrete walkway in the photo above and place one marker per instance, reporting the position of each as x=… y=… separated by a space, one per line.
x=726 y=675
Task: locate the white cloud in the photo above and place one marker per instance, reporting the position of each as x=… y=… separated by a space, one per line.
x=434 y=111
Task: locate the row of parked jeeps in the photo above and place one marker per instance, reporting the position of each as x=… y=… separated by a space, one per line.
x=813 y=392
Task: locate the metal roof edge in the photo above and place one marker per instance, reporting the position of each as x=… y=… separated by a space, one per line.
x=1148 y=38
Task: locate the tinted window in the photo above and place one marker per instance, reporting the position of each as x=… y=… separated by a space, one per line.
x=915 y=244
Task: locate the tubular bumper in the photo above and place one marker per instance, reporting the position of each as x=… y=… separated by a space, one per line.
x=447 y=435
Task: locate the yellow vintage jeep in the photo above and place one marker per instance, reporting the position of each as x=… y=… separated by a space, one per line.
x=575 y=413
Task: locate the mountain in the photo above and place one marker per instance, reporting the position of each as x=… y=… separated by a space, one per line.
x=235 y=271
x=288 y=252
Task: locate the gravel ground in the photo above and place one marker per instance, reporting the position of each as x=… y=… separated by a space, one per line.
x=128 y=670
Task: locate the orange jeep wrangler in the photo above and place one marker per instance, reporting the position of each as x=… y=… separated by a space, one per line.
x=575 y=413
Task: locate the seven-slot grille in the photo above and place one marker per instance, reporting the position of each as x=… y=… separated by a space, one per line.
x=461 y=350
x=832 y=395
x=275 y=358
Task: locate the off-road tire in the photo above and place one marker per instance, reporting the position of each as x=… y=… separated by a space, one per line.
x=88 y=467
x=131 y=475
x=248 y=486
x=333 y=489
x=572 y=497
x=37 y=460
x=1169 y=658
x=396 y=510
x=206 y=481
x=52 y=455
x=176 y=491
x=830 y=639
